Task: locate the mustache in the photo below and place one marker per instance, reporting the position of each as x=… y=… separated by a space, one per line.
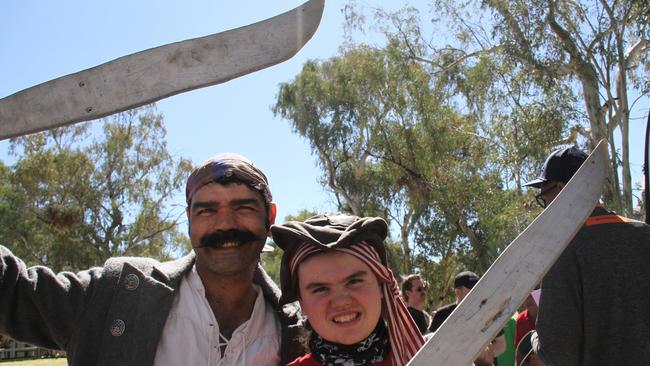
x=218 y=238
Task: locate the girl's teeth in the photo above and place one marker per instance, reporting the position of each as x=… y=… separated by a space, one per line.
x=345 y=318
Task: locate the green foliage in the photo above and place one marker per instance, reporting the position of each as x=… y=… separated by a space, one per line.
x=392 y=143
x=394 y=257
x=302 y=215
x=76 y=197
x=596 y=49
x=439 y=146
x=438 y=134
x=271 y=262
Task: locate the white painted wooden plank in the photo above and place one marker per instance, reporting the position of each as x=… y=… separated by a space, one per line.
x=157 y=73
x=487 y=308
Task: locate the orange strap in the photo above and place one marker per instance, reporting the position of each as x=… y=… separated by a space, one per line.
x=607 y=219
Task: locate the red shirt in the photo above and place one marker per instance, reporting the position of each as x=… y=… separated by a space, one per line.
x=525 y=324
x=308 y=360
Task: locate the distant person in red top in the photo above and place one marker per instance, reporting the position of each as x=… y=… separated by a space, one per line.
x=335 y=266
x=525 y=323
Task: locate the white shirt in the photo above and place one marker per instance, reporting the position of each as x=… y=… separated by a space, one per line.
x=191 y=333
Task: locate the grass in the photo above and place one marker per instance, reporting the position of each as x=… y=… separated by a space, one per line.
x=41 y=362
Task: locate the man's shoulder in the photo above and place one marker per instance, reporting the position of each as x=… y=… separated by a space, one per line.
x=172 y=269
x=609 y=227
x=115 y=263
x=446 y=309
x=602 y=217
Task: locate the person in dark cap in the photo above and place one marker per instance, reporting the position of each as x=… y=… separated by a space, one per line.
x=558 y=169
x=335 y=266
x=593 y=303
x=213 y=306
x=463 y=284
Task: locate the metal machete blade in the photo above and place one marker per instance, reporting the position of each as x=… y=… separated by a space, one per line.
x=147 y=76
x=487 y=308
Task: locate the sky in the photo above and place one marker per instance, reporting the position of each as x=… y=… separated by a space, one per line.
x=42 y=40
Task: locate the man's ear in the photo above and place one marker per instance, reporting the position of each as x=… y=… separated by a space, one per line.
x=561 y=185
x=187 y=214
x=272 y=212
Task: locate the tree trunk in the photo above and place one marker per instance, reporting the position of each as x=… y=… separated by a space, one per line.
x=625 y=60
x=405 y=230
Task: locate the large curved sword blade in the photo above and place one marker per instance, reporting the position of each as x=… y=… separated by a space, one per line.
x=487 y=308
x=157 y=73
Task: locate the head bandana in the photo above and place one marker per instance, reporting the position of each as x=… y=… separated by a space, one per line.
x=228 y=167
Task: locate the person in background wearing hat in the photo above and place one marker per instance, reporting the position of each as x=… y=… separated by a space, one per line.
x=335 y=266
x=213 y=306
x=463 y=284
x=414 y=294
x=594 y=302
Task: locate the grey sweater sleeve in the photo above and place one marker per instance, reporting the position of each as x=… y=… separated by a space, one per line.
x=560 y=319
x=39 y=306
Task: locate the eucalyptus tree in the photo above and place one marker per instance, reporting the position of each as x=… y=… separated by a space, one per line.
x=391 y=141
x=600 y=45
x=77 y=195
x=577 y=67
x=342 y=106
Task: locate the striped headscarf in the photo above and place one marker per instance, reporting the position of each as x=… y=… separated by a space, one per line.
x=404 y=336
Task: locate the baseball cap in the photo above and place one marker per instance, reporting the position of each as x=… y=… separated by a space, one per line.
x=560 y=166
x=467 y=279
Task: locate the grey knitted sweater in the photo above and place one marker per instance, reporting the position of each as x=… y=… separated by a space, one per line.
x=595 y=302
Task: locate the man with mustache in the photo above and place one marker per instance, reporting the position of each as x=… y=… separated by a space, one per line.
x=215 y=306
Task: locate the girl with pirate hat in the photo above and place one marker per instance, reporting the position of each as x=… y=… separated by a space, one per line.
x=335 y=266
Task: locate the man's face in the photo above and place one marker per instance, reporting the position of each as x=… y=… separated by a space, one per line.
x=550 y=190
x=228 y=228
x=461 y=292
x=417 y=294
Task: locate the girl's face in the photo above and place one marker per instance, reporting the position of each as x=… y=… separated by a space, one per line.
x=340 y=296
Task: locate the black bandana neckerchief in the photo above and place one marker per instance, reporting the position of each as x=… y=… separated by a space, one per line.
x=373 y=349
